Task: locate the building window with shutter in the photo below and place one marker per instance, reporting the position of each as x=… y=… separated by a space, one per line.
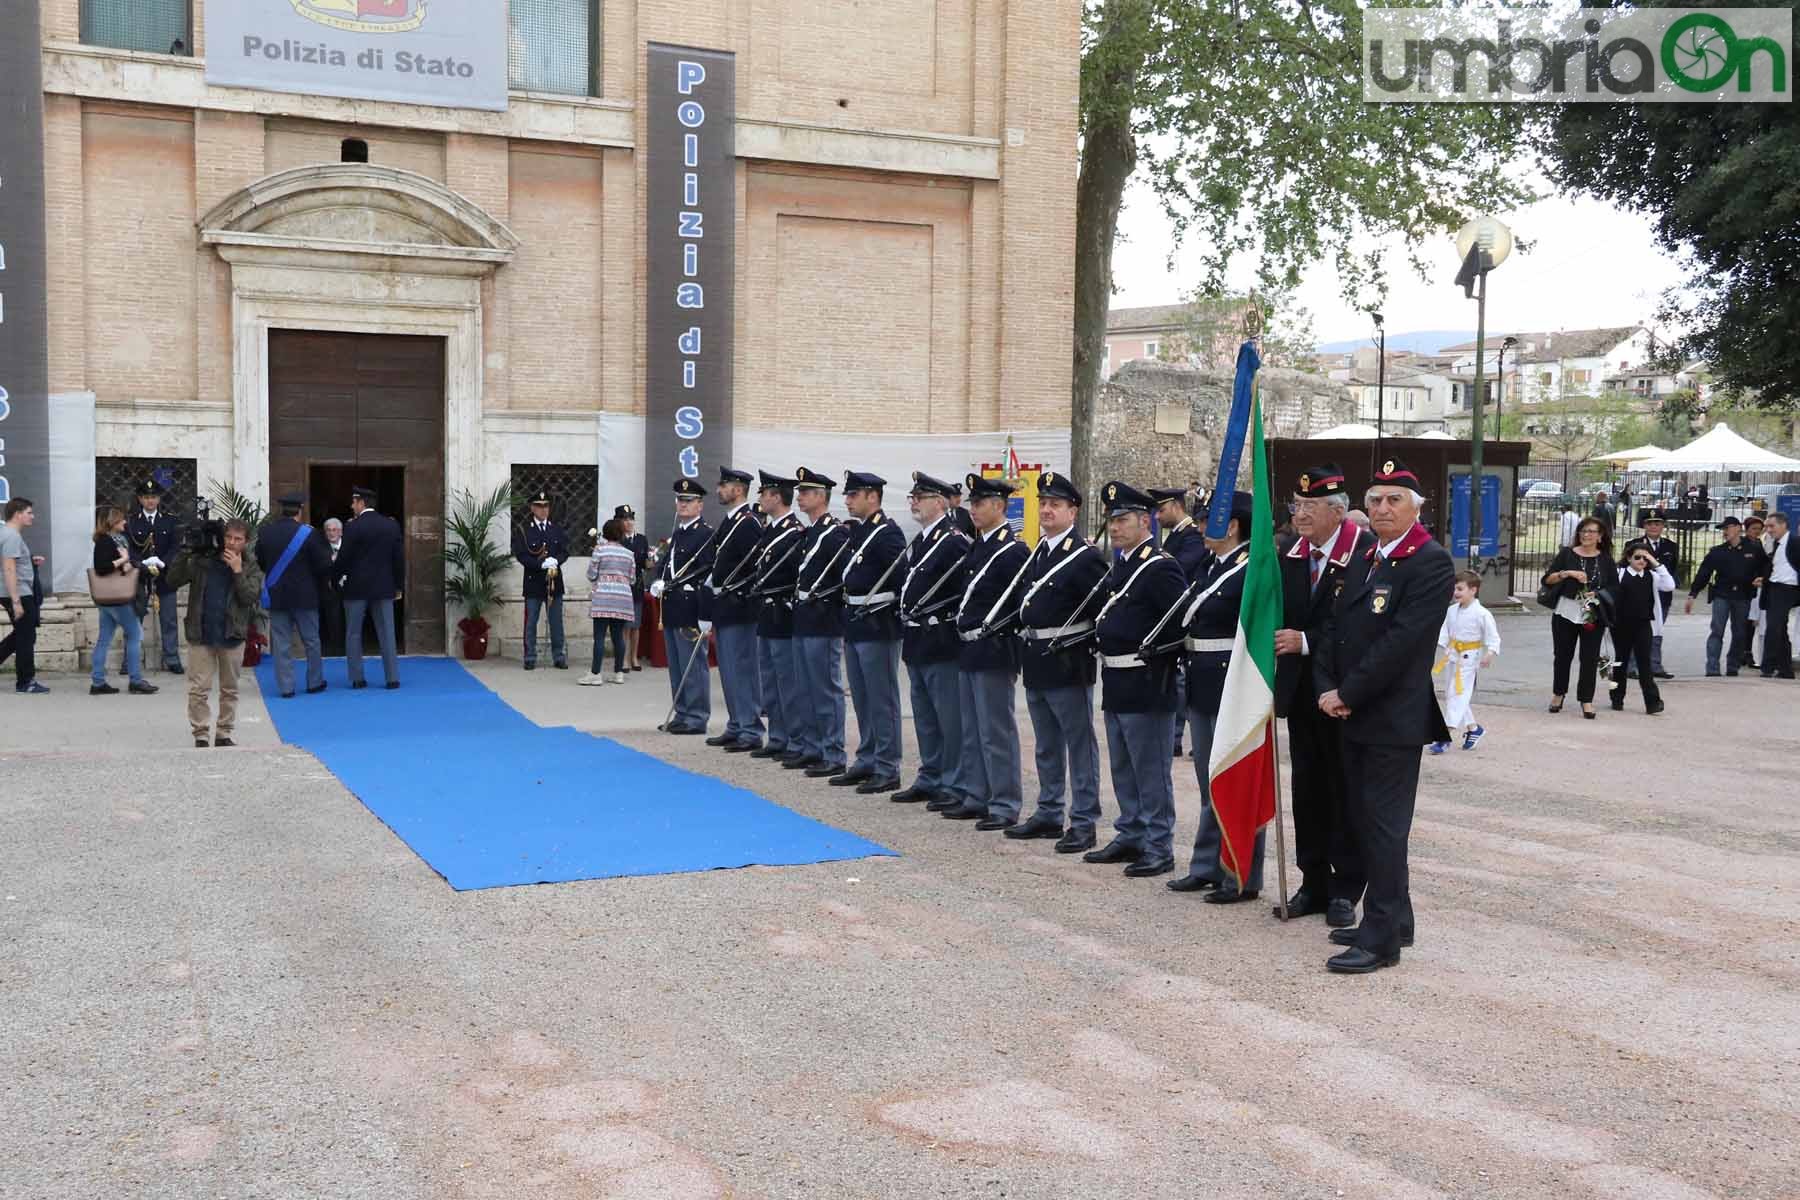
x=553 y=46
x=1151 y=349
x=148 y=26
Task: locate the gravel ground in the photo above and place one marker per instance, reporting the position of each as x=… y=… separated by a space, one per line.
x=220 y=976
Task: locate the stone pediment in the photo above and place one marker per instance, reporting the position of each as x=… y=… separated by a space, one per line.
x=358 y=215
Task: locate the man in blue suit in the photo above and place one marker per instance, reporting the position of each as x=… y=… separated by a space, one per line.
x=294 y=561
x=372 y=566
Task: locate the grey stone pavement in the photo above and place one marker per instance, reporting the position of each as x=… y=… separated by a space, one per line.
x=220 y=976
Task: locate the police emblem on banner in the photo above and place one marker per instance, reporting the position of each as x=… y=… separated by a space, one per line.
x=364 y=16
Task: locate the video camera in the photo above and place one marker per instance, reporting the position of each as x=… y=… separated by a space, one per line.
x=204 y=536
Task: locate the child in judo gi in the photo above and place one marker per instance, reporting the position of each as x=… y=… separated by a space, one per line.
x=1467 y=643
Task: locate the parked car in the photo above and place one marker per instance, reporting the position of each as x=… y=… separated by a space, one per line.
x=1762 y=499
x=1545 y=489
x=1525 y=485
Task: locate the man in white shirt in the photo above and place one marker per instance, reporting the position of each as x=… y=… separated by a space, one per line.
x=1780 y=596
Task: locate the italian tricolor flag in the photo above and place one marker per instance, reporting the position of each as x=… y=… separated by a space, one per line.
x=1242 y=764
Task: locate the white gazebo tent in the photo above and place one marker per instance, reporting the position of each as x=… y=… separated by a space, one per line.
x=1623 y=458
x=1346 y=432
x=1718 y=449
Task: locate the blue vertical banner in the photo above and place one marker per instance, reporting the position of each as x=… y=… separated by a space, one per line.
x=1490 y=514
x=24 y=357
x=691 y=214
x=1231 y=450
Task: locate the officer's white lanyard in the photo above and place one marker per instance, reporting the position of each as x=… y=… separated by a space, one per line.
x=926 y=557
x=1212 y=587
x=737 y=523
x=976 y=582
x=824 y=527
x=1131 y=579
x=1051 y=574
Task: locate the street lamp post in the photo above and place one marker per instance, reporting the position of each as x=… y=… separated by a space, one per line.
x=1484 y=244
x=1500 y=385
x=1380 y=383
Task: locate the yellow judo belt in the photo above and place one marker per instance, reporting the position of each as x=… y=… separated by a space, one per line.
x=1457 y=649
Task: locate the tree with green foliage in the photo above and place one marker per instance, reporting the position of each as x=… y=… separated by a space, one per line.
x=1250 y=118
x=1719 y=179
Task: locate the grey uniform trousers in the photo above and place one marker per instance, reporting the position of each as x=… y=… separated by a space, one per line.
x=1137 y=747
x=874 y=670
x=382 y=612
x=990 y=742
x=283 y=623
x=1206 y=863
x=738 y=680
x=938 y=720
x=1062 y=724
x=780 y=685
x=820 y=666
x=692 y=699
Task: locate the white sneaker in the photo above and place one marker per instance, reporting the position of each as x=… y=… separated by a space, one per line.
x=618 y=677
x=591 y=680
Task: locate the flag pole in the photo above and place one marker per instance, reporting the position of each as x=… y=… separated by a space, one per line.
x=1281 y=906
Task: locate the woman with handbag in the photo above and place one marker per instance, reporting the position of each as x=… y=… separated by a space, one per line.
x=113 y=583
x=1582 y=580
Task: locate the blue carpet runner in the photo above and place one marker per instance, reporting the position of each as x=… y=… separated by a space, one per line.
x=489 y=799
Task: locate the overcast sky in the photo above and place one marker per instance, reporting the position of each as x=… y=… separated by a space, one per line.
x=1591 y=266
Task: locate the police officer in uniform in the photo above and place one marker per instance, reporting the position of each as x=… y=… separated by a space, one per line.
x=373 y=568
x=930 y=586
x=772 y=590
x=1372 y=668
x=1137 y=693
x=1733 y=570
x=986 y=618
x=542 y=547
x=1207 y=625
x=155 y=538
x=294 y=594
x=870 y=580
x=726 y=606
x=1183 y=540
x=639 y=545
x=677 y=585
x=1057 y=602
x=959 y=516
x=1665 y=551
x=818 y=642
x=1312 y=573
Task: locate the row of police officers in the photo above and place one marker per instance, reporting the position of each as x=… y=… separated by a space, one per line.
x=797 y=602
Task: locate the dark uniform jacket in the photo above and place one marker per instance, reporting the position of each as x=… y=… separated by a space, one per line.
x=532 y=543
x=993 y=573
x=931 y=583
x=155 y=537
x=875 y=545
x=639 y=545
x=962 y=522
x=1663 y=549
x=1210 y=616
x=818 y=600
x=302 y=584
x=1141 y=587
x=1378 y=642
x=1186 y=543
x=1058 y=582
x=373 y=559
x=778 y=562
x=1729 y=570
x=726 y=598
x=689 y=558
x=1304 y=607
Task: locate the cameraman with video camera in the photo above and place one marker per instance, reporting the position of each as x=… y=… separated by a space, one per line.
x=222 y=598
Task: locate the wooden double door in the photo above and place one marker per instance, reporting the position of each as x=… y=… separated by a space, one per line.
x=358 y=409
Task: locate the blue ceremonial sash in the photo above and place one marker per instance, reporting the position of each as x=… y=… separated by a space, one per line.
x=281 y=564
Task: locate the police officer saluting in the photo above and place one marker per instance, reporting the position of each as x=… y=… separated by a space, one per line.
x=677 y=586
x=816 y=745
x=772 y=591
x=155 y=543
x=726 y=605
x=1665 y=551
x=542 y=547
x=1138 y=692
x=931 y=584
x=1062 y=592
x=871 y=588
x=988 y=666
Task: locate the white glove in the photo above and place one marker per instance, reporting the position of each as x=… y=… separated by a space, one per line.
x=154 y=563
x=657 y=588
x=549 y=564
x=705 y=628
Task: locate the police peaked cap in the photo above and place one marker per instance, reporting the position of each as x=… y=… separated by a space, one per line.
x=863 y=481
x=688 y=489
x=1652 y=514
x=292 y=500
x=1326 y=479
x=770 y=482
x=540 y=497
x=624 y=513
x=1164 y=495
x=1395 y=473
x=925 y=485
x=363 y=493
x=804 y=477
x=148 y=488
x=733 y=475
x=1061 y=487
x=984 y=488
x=1121 y=497
x=1243 y=507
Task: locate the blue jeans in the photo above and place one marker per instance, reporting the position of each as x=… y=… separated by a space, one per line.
x=122 y=617
x=1735 y=611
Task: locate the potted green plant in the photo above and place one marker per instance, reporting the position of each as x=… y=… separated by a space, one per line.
x=473 y=562
x=229 y=504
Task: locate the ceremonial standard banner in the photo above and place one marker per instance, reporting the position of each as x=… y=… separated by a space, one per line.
x=24 y=362
x=692 y=215
x=450 y=53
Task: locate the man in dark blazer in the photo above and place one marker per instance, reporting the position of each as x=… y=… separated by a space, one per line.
x=372 y=566
x=1313 y=569
x=155 y=538
x=541 y=547
x=294 y=561
x=1372 y=669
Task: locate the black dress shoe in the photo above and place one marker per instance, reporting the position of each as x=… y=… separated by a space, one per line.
x=965 y=812
x=1653 y=709
x=721 y=739
x=1037 y=827
x=1663 y=674
x=824 y=771
x=768 y=752
x=1303 y=904
x=875 y=787
x=1340 y=913
x=175 y=669
x=143 y=689
x=1347 y=937
x=943 y=803
x=393 y=685
x=913 y=795
x=1075 y=841
x=686 y=730
x=801 y=762
x=1357 y=961
x=743 y=748
x=850 y=778
x=990 y=823
x=361 y=683
x=313 y=691
x=107 y=689
x=1143 y=868
x=561 y=666
x=531 y=666
x=199 y=743
x=1231 y=896
x=1618 y=702
x=1191 y=883
x=224 y=741
x=1115 y=851
x=284 y=695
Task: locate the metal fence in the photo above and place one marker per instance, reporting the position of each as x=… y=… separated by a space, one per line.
x=1539 y=531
